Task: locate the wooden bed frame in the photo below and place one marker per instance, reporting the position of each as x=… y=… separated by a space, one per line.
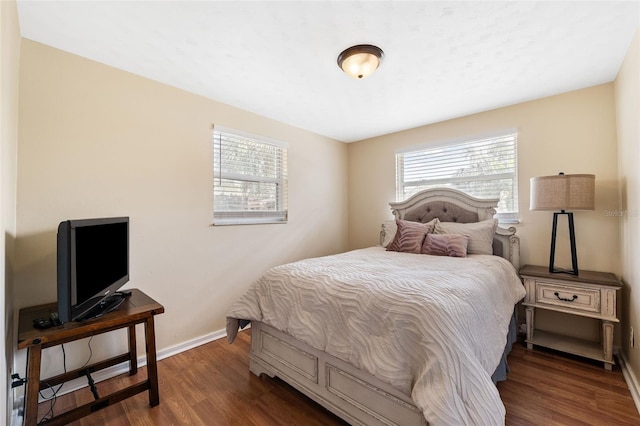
x=351 y=393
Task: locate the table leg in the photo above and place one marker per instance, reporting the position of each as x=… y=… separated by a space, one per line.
x=530 y=311
x=33 y=385
x=607 y=343
x=152 y=367
x=133 y=354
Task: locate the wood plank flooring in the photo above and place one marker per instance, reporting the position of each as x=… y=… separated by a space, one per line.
x=212 y=385
x=552 y=388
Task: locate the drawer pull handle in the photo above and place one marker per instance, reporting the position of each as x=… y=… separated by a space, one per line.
x=565 y=300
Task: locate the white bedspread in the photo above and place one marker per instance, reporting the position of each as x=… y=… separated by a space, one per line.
x=433 y=327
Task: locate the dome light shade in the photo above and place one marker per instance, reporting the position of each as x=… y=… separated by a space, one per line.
x=360 y=61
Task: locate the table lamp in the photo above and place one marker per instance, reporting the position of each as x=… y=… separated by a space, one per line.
x=565 y=193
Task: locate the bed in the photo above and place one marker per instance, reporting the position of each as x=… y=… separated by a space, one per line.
x=384 y=337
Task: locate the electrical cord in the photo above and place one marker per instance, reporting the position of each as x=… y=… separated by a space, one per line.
x=88 y=372
x=53 y=398
x=90 y=352
x=54 y=393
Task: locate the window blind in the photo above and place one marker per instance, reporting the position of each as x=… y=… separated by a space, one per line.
x=250 y=178
x=483 y=167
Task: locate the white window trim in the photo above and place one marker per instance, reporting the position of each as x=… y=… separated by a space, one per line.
x=503 y=218
x=250 y=217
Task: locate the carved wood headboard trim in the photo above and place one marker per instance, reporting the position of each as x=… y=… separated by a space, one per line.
x=425 y=205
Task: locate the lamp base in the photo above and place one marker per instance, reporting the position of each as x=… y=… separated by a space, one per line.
x=562 y=271
x=572 y=238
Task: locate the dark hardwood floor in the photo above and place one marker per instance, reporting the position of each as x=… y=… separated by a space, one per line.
x=212 y=385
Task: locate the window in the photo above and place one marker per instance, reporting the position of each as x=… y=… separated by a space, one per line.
x=483 y=167
x=250 y=179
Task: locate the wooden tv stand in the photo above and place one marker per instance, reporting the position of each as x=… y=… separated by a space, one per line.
x=138 y=308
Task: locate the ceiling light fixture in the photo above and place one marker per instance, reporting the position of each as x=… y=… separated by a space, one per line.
x=360 y=61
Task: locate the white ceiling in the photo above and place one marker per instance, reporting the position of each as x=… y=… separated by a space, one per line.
x=278 y=58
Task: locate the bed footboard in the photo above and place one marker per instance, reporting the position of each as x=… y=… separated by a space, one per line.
x=350 y=393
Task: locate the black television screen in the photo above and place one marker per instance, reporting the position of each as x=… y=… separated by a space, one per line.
x=93 y=262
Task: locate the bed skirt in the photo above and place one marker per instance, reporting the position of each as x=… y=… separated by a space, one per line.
x=503 y=368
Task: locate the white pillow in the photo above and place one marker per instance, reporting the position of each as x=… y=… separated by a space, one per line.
x=388 y=233
x=480 y=234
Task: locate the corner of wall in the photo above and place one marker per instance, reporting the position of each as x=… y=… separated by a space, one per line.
x=631 y=378
x=627 y=109
x=9 y=71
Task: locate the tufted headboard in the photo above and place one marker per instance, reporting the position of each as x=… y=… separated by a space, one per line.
x=443 y=210
x=450 y=205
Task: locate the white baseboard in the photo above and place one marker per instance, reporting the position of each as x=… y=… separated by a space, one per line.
x=190 y=344
x=631 y=379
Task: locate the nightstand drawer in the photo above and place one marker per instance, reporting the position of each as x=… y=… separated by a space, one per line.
x=575 y=298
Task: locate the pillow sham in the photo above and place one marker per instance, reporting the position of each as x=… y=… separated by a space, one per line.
x=410 y=235
x=480 y=234
x=388 y=232
x=452 y=245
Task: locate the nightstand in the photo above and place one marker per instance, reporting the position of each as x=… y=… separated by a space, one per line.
x=590 y=294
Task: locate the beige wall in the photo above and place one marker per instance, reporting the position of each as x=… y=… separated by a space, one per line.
x=96 y=141
x=573 y=132
x=9 y=59
x=627 y=91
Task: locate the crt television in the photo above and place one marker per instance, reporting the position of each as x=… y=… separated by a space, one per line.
x=93 y=263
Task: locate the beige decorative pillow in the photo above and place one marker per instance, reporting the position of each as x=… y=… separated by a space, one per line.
x=388 y=233
x=480 y=234
x=453 y=245
x=410 y=235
